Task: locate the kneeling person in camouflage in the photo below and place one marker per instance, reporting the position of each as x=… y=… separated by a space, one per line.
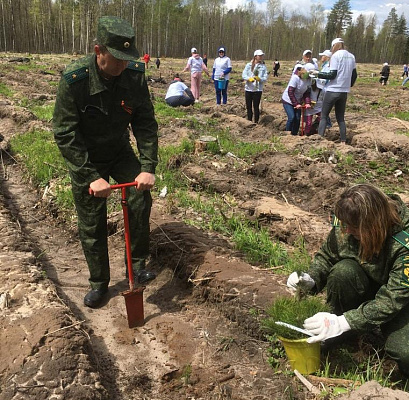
x=364 y=265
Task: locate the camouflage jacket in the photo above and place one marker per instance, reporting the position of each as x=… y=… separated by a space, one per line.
x=91 y=119
x=390 y=270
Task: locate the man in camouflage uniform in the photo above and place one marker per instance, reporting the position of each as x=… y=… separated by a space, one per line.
x=98 y=97
x=365 y=290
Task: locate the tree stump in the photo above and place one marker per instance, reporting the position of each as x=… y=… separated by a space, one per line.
x=202 y=142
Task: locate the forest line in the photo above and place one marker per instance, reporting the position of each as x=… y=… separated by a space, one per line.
x=169 y=28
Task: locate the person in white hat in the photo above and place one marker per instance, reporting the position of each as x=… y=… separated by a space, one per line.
x=196 y=66
x=316 y=96
x=306 y=57
x=342 y=76
x=306 y=61
x=383 y=80
x=322 y=83
x=318 y=87
x=254 y=74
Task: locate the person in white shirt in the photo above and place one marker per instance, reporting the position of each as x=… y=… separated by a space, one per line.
x=221 y=75
x=318 y=87
x=296 y=97
x=179 y=94
x=196 y=66
x=342 y=76
x=254 y=74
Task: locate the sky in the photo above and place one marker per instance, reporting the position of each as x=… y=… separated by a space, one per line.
x=366 y=7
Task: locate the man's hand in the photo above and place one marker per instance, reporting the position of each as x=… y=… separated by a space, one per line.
x=251 y=79
x=257 y=78
x=304 y=281
x=325 y=326
x=145 y=181
x=100 y=188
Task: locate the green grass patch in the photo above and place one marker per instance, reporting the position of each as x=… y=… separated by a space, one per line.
x=31 y=66
x=255 y=242
x=43 y=112
x=343 y=364
x=404 y=115
x=5 y=90
x=242 y=150
x=40 y=109
x=164 y=113
x=170 y=157
x=40 y=155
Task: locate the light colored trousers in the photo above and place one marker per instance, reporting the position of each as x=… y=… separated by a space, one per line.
x=196 y=80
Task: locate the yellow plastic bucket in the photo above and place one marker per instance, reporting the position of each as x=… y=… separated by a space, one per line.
x=303 y=356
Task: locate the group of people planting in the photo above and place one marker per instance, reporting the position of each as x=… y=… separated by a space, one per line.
x=363 y=264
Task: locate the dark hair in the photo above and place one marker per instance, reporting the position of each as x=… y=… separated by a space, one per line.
x=176 y=77
x=372 y=213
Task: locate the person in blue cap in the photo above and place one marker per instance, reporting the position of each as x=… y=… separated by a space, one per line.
x=221 y=75
x=98 y=97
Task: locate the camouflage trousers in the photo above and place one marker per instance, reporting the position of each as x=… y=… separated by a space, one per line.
x=92 y=217
x=349 y=274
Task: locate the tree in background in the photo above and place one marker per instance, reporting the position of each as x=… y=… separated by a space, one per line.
x=391 y=43
x=339 y=20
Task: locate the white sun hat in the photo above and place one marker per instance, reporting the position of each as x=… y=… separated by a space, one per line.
x=258 y=53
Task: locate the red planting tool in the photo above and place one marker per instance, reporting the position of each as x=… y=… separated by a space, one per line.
x=133 y=296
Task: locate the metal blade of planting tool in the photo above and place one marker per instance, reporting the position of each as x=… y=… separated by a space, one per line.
x=295 y=328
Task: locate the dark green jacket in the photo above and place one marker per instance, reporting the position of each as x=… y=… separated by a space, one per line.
x=390 y=270
x=91 y=118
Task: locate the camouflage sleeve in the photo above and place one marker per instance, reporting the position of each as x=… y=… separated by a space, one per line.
x=390 y=299
x=324 y=259
x=145 y=130
x=68 y=135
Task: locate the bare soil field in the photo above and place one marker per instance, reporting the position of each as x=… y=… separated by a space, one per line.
x=201 y=338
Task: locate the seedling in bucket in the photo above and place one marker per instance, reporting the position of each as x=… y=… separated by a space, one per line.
x=286 y=316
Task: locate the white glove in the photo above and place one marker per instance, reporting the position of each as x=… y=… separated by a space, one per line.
x=325 y=326
x=304 y=281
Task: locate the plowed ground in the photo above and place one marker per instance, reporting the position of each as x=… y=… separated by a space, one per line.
x=201 y=338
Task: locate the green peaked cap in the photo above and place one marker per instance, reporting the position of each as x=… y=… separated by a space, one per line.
x=118 y=36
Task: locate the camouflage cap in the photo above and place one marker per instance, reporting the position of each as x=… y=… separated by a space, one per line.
x=118 y=36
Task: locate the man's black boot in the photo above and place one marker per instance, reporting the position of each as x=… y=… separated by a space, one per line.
x=140 y=272
x=145 y=276
x=94 y=297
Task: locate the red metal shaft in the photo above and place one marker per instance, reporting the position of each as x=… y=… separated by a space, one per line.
x=302 y=120
x=124 y=203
